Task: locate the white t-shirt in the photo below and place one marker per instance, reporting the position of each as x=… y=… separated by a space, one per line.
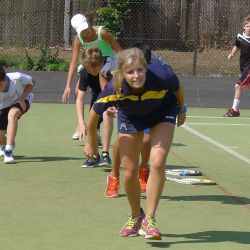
x=14 y=89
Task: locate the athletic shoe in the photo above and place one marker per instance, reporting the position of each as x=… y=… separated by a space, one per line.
x=143 y=178
x=91 y=163
x=232 y=113
x=105 y=160
x=149 y=229
x=112 y=187
x=75 y=136
x=1 y=151
x=8 y=157
x=132 y=226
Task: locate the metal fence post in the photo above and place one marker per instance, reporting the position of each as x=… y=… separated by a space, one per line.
x=196 y=34
x=66 y=26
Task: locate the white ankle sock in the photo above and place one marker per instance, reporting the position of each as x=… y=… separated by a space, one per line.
x=236 y=104
x=9 y=147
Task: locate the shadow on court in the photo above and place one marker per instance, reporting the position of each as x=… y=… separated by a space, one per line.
x=204 y=237
x=22 y=159
x=230 y=200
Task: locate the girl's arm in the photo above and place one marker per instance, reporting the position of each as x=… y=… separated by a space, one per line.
x=82 y=128
x=27 y=90
x=111 y=40
x=91 y=146
x=72 y=69
x=234 y=50
x=181 y=101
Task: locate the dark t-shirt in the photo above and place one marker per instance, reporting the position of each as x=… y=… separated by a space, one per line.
x=88 y=80
x=243 y=43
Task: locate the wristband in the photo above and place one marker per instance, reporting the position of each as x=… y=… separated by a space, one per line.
x=184 y=110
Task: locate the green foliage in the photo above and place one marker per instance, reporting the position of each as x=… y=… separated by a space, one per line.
x=52 y=67
x=112 y=15
x=47 y=57
x=8 y=61
x=122 y=6
x=63 y=67
x=3 y=63
x=28 y=64
x=109 y=18
x=45 y=61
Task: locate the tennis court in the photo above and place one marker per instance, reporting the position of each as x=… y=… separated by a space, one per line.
x=49 y=202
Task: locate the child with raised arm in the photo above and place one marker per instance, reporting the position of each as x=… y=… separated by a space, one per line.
x=15 y=100
x=242 y=43
x=145 y=97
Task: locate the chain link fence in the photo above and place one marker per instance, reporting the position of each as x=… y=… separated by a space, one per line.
x=193 y=36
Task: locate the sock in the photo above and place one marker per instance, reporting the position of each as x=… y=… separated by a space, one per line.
x=9 y=147
x=104 y=153
x=236 y=104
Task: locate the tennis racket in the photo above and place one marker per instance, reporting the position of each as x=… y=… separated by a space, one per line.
x=191 y=181
x=183 y=172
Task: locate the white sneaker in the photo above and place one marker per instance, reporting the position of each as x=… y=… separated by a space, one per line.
x=8 y=157
x=1 y=151
x=75 y=136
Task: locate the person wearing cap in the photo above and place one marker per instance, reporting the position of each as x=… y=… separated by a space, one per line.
x=88 y=36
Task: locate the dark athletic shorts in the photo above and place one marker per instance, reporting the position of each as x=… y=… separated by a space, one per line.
x=245 y=78
x=133 y=125
x=4 y=114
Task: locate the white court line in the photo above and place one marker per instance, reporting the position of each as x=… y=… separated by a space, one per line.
x=223 y=147
x=217 y=124
x=217 y=117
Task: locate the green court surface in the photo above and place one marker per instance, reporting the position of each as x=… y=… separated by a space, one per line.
x=47 y=201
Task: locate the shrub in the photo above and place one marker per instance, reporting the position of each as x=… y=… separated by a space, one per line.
x=112 y=15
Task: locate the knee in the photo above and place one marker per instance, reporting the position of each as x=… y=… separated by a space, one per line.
x=129 y=174
x=237 y=87
x=13 y=114
x=157 y=165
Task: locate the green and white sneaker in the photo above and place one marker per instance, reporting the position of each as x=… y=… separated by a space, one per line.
x=149 y=229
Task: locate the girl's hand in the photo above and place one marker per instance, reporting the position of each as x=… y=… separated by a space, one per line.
x=181 y=119
x=82 y=131
x=230 y=56
x=89 y=151
x=66 y=94
x=111 y=111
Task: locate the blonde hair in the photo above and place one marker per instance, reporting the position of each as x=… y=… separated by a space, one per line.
x=91 y=57
x=125 y=59
x=246 y=20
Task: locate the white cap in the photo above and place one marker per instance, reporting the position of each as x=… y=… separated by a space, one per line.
x=79 y=23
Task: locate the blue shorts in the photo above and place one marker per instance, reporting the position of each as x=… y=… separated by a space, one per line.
x=128 y=125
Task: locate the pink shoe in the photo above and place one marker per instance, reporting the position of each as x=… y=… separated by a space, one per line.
x=132 y=226
x=149 y=229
